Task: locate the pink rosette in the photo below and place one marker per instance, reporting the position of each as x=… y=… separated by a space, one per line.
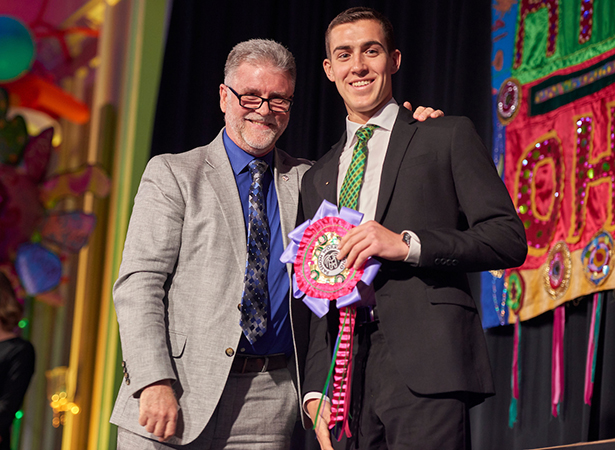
x=318 y=274
x=321 y=277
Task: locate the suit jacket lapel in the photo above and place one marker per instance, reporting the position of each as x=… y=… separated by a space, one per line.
x=287 y=184
x=401 y=135
x=223 y=179
x=330 y=171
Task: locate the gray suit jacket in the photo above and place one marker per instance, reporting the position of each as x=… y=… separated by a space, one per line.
x=181 y=279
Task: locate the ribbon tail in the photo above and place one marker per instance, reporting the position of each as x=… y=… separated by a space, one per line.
x=289 y=255
x=340 y=400
x=592 y=348
x=328 y=380
x=516 y=370
x=557 y=359
x=319 y=306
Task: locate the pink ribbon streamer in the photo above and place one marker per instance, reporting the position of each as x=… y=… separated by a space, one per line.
x=557 y=359
x=340 y=401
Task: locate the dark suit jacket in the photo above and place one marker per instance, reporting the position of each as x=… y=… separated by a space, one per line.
x=440 y=182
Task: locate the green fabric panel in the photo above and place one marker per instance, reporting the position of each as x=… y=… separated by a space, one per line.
x=568 y=51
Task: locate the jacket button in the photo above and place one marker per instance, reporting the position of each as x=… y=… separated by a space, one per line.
x=455 y=262
x=239 y=306
x=229 y=351
x=437 y=261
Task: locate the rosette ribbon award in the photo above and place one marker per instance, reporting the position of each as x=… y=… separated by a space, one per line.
x=320 y=277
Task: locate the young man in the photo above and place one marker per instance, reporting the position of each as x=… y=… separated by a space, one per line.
x=434 y=209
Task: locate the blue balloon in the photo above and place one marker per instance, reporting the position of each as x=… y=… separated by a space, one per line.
x=17 y=49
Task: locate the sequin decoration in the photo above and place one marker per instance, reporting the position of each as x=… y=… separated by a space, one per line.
x=572 y=84
x=499 y=300
x=530 y=6
x=509 y=99
x=557 y=270
x=543 y=156
x=516 y=290
x=597 y=258
x=591 y=169
x=587 y=20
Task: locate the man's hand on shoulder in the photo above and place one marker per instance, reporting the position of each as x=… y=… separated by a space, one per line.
x=158 y=409
x=371 y=239
x=322 y=429
x=422 y=112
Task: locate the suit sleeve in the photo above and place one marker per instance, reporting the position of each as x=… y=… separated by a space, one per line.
x=150 y=254
x=491 y=235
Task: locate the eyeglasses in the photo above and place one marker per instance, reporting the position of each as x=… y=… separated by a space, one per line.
x=278 y=105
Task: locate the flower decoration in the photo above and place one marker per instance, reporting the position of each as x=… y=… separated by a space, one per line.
x=558 y=270
x=597 y=258
x=36 y=236
x=515 y=290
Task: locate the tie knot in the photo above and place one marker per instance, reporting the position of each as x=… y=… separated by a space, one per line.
x=365 y=133
x=257 y=168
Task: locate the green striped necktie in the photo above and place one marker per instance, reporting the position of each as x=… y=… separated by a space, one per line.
x=351 y=187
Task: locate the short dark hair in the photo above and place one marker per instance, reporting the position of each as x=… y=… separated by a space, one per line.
x=11 y=310
x=357 y=13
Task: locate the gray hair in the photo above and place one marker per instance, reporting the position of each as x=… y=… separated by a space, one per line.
x=260 y=51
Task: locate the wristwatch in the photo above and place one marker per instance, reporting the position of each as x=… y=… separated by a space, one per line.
x=406 y=237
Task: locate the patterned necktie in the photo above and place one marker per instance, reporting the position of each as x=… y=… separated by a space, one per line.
x=256 y=293
x=349 y=194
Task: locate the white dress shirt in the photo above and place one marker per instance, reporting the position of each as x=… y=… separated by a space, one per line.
x=376 y=152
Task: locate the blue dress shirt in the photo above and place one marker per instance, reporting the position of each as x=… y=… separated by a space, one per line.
x=278 y=337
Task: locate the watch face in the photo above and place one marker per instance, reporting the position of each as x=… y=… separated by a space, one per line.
x=407 y=237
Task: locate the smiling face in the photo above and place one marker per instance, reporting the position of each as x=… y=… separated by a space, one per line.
x=361 y=67
x=255 y=130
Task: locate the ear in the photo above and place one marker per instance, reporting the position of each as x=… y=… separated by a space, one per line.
x=223 y=98
x=395 y=61
x=326 y=64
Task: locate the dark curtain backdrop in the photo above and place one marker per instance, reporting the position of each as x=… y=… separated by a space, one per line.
x=445 y=47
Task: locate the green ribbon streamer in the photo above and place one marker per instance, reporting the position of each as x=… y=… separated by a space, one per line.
x=322 y=397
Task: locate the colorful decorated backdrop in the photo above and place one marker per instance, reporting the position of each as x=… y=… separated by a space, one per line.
x=34 y=236
x=553 y=142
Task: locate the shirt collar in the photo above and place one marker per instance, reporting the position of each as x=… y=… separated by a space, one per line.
x=239 y=158
x=385 y=119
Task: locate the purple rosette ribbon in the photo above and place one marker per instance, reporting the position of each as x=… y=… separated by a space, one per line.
x=318 y=274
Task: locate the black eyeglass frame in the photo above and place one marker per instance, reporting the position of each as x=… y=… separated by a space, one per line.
x=263 y=100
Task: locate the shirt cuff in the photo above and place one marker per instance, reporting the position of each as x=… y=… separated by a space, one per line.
x=414 y=251
x=311 y=396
